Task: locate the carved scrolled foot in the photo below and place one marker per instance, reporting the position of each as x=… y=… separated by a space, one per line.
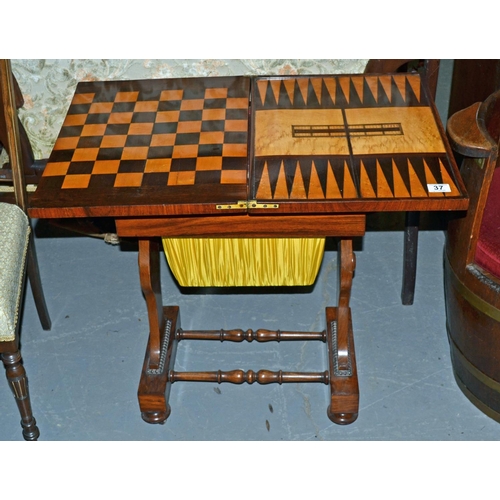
x=344 y=389
x=156 y=417
x=341 y=418
x=154 y=386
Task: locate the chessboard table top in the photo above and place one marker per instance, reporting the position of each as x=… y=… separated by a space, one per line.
x=306 y=144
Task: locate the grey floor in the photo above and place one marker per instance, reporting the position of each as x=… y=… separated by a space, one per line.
x=84 y=373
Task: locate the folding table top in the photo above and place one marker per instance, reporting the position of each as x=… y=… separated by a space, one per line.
x=295 y=144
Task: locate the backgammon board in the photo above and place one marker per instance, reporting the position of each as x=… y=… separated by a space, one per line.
x=347 y=138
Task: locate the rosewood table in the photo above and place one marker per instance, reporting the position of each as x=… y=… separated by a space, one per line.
x=242 y=157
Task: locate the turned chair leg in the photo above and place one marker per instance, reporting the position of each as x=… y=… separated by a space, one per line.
x=36 y=285
x=18 y=382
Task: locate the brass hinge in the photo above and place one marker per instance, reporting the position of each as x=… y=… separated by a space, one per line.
x=247 y=204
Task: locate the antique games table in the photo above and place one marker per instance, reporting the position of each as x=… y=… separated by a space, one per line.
x=248 y=157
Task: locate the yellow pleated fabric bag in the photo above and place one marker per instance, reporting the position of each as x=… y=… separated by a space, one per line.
x=226 y=262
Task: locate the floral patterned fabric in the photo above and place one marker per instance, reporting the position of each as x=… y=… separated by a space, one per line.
x=14 y=233
x=48 y=84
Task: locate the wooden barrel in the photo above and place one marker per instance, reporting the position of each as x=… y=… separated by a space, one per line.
x=473 y=326
x=472 y=258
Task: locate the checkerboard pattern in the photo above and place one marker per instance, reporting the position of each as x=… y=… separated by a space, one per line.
x=153 y=133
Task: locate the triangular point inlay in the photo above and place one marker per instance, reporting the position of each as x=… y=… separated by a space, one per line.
x=431 y=180
x=345 y=84
x=281 y=190
x=264 y=190
x=262 y=86
x=400 y=81
x=332 y=188
x=298 y=190
x=385 y=81
x=373 y=86
x=317 y=86
x=365 y=184
x=414 y=81
x=358 y=82
x=315 y=189
x=349 y=187
x=303 y=85
x=289 y=86
x=417 y=190
x=400 y=190
x=275 y=85
x=448 y=180
x=383 y=188
x=331 y=86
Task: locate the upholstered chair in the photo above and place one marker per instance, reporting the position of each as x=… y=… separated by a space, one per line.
x=14 y=241
x=14 y=140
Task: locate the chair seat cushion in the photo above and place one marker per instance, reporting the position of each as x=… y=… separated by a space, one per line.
x=488 y=245
x=14 y=234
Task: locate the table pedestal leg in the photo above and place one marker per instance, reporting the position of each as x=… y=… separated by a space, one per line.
x=154 y=387
x=344 y=390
